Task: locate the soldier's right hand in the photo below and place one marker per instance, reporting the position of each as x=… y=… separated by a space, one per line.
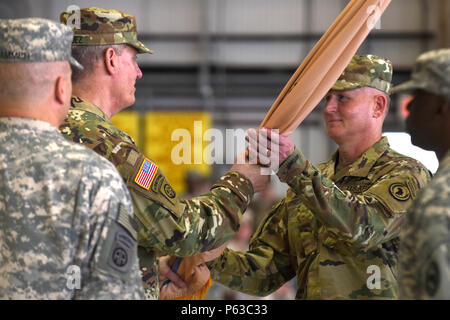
x=268 y=147
x=252 y=172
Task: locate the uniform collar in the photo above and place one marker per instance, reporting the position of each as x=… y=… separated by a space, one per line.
x=28 y=123
x=85 y=105
x=361 y=167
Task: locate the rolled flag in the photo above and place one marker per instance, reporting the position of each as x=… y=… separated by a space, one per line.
x=323 y=65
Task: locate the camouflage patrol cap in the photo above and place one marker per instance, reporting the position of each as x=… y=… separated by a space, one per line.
x=366 y=71
x=35 y=40
x=431 y=73
x=102 y=26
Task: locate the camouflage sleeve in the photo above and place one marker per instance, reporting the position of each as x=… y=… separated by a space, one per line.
x=424 y=254
x=112 y=270
x=181 y=227
x=266 y=266
x=165 y=223
x=364 y=220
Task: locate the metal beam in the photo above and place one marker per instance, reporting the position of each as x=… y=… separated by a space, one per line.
x=443 y=24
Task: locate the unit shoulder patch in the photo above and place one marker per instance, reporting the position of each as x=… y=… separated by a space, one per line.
x=122 y=252
x=118 y=251
x=399 y=191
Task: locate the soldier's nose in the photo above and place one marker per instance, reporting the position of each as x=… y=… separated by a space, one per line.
x=330 y=106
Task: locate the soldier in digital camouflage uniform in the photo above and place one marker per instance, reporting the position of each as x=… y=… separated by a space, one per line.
x=66 y=224
x=424 y=256
x=337 y=228
x=166 y=225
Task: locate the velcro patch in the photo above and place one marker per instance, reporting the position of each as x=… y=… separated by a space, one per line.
x=127 y=222
x=146 y=174
x=132 y=158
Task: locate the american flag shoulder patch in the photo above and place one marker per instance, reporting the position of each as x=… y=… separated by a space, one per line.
x=146 y=174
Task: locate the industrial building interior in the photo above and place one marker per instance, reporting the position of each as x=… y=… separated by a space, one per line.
x=224 y=62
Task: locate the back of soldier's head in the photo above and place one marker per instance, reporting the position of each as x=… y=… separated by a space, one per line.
x=431 y=73
x=23 y=82
x=32 y=52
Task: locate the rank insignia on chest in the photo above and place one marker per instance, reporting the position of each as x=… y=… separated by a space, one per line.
x=146 y=174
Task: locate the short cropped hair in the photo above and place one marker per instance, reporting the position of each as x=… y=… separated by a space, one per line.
x=88 y=56
x=30 y=81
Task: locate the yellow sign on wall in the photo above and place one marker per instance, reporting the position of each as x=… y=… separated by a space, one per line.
x=174 y=140
x=128 y=122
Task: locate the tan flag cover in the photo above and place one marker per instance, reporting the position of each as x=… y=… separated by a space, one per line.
x=302 y=93
x=323 y=65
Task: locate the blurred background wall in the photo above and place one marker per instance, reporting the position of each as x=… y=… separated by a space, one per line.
x=224 y=62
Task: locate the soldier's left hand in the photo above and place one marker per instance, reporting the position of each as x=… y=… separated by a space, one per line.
x=252 y=172
x=165 y=272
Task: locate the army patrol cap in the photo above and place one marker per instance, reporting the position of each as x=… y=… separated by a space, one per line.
x=101 y=26
x=35 y=40
x=431 y=73
x=366 y=71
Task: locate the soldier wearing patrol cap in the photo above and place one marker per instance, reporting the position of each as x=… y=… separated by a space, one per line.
x=424 y=264
x=337 y=228
x=106 y=44
x=65 y=214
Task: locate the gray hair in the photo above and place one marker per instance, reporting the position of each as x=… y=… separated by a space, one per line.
x=88 y=56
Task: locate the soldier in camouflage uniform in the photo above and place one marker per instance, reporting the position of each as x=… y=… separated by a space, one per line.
x=166 y=225
x=337 y=229
x=424 y=256
x=66 y=224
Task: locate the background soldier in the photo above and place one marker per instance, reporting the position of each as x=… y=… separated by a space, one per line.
x=339 y=219
x=424 y=260
x=65 y=213
x=106 y=45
